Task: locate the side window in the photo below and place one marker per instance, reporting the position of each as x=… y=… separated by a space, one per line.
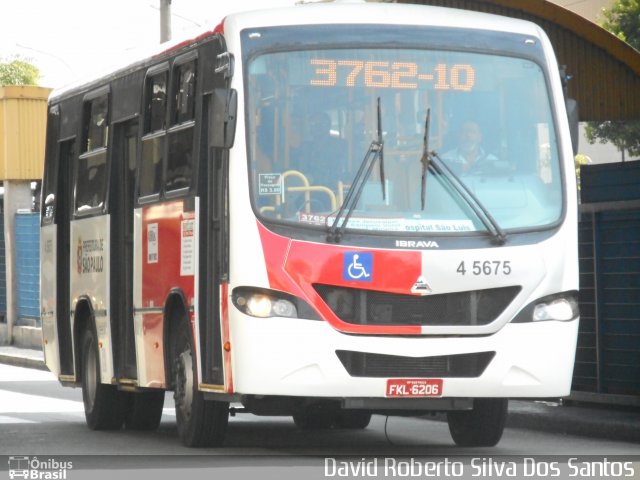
x=91 y=170
x=151 y=165
x=155 y=111
x=156 y=102
x=95 y=123
x=184 y=92
x=49 y=190
x=180 y=165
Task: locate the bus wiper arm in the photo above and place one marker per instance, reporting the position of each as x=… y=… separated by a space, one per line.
x=425 y=159
x=375 y=152
x=431 y=161
x=440 y=167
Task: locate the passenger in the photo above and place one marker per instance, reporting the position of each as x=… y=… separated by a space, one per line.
x=323 y=156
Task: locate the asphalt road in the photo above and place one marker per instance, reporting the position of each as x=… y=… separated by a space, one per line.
x=39 y=417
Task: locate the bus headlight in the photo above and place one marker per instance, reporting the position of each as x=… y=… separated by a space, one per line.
x=258 y=305
x=263 y=303
x=562 y=309
x=559 y=307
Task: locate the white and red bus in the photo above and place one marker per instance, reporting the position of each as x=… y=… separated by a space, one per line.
x=281 y=213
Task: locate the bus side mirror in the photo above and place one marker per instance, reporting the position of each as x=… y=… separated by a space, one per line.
x=574 y=123
x=223 y=109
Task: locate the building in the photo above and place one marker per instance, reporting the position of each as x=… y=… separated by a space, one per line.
x=23 y=113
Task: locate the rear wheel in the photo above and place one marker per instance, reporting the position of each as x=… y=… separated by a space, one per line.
x=480 y=427
x=144 y=410
x=103 y=404
x=200 y=423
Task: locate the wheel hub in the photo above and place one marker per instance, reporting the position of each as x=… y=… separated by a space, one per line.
x=183 y=395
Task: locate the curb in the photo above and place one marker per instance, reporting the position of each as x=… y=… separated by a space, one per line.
x=22 y=361
x=605 y=422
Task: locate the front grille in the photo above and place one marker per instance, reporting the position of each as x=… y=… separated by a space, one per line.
x=467 y=365
x=368 y=307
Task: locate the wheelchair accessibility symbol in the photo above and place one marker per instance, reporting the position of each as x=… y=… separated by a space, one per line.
x=358 y=266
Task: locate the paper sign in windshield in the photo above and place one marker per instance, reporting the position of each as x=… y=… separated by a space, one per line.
x=270 y=184
x=392 y=224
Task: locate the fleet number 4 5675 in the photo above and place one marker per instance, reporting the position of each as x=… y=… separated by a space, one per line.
x=485 y=267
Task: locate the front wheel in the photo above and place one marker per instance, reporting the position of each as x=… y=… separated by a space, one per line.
x=200 y=423
x=104 y=405
x=481 y=426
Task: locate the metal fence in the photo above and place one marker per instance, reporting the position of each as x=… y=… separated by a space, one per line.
x=3 y=274
x=608 y=357
x=28 y=268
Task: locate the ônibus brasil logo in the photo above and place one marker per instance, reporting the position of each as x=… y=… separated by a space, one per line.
x=34 y=468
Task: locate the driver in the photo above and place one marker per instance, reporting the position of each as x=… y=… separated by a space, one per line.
x=469 y=157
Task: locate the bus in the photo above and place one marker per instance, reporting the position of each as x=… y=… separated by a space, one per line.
x=281 y=216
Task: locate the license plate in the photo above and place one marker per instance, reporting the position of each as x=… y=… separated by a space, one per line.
x=414 y=387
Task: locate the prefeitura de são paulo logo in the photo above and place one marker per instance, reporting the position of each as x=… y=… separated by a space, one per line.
x=90 y=255
x=40 y=469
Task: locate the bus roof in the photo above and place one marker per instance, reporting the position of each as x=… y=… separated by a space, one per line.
x=363 y=12
x=252 y=13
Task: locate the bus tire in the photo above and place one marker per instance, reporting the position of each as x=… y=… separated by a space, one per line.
x=103 y=404
x=353 y=419
x=144 y=410
x=201 y=423
x=481 y=426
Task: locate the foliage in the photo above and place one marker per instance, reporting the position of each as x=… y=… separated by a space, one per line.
x=580 y=159
x=623 y=20
x=624 y=135
x=18 y=71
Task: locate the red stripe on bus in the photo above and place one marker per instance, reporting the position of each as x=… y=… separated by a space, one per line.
x=294 y=266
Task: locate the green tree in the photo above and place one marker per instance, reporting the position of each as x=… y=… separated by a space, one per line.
x=18 y=71
x=580 y=160
x=623 y=20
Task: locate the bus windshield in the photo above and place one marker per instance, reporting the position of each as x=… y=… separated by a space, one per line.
x=314 y=114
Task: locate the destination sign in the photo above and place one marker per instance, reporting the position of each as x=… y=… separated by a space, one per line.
x=329 y=72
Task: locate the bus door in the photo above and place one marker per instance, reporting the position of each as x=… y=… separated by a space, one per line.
x=218 y=128
x=89 y=228
x=63 y=254
x=55 y=249
x=121 y=205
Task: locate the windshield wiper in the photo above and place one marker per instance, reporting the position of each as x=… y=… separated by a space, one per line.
x=425 y=159
x=431 y=161
x=375 y=152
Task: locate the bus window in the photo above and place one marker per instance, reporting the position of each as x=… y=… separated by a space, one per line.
x=184 y=92
x=156 y=103
x=49 y=186
x=91 y=182
x=91 y=169
x=96 y=129
x=154 y=133
x=180 y=157
x=151 y=166
x=180 y=164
